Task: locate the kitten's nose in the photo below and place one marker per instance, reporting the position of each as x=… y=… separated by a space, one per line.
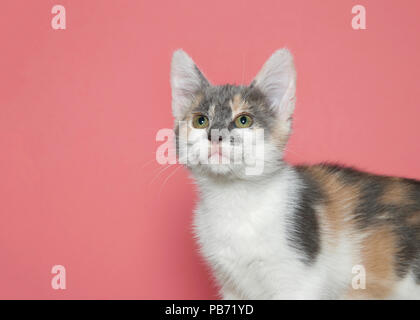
x=216 y=138
x=216 y=135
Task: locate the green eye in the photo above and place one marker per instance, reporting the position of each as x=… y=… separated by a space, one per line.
x=200 y=121
x=243 y=121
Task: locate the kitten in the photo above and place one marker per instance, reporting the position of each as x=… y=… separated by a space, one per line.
x=288 y=232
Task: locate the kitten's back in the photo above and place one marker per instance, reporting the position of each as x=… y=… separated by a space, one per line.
x=380 y=214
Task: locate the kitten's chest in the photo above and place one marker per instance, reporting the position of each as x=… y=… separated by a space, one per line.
x=243 y=232
x=240 y=227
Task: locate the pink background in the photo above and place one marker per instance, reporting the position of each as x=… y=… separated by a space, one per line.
x=80 y=108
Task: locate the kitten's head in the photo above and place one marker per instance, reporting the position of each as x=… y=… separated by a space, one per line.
x=233 y=131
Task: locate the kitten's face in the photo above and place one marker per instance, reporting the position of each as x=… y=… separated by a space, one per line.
x=233 y=131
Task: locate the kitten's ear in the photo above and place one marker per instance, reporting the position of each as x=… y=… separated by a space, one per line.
x=277 y=80
x=186 y=81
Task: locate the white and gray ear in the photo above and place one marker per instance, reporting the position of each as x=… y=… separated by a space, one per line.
x=277 y=80
x=186 y=81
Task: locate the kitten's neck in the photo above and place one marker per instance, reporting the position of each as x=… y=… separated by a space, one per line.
x=246 y=198
x=218 y=184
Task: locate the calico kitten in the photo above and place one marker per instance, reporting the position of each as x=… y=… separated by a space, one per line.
x=289 y=232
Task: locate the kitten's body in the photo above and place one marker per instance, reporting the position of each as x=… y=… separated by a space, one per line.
x=270 y=247
x=290 y=232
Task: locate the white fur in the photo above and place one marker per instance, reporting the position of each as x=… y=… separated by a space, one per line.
x=242 y=228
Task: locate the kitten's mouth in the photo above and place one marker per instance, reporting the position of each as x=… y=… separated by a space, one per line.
x=216 y=155
x=217 y=151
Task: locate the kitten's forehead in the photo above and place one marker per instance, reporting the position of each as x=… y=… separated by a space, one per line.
x=217 y=97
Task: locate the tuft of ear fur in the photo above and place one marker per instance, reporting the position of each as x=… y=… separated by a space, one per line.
x=186 y=81
x=277 y=80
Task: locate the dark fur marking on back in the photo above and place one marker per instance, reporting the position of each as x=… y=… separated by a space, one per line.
x=408 y=250
x=305 y=235
x=369 y=205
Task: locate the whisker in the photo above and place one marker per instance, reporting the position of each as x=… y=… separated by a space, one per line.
x=167 y=178
x=154 y=159
x=160 y=172
x=287 y=149
x=147 y=163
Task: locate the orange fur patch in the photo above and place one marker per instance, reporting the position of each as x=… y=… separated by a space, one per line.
x=396 y=192
x=238 y=105
x=341 y=201
x=378 y=256
x=414 y=218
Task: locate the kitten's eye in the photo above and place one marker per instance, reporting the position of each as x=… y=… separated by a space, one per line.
x=200 y=122
x=243 y=121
